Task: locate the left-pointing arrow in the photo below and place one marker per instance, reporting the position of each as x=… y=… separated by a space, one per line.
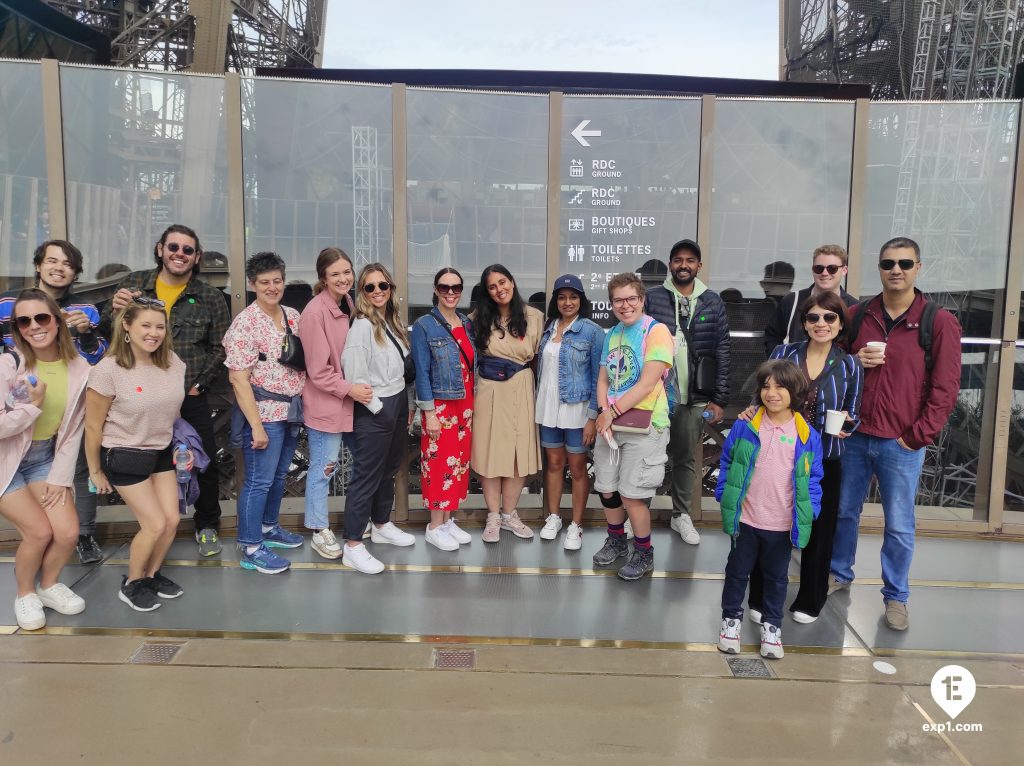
x=580 y=133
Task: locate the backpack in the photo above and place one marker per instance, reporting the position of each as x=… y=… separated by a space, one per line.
x=925 y=330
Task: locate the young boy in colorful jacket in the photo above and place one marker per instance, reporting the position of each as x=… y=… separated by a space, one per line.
x=769 y=488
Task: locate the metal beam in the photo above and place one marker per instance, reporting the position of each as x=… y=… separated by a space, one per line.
x=54 y=142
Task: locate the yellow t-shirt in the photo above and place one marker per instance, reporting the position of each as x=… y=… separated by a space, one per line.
x=55 y=376
x=169 y=294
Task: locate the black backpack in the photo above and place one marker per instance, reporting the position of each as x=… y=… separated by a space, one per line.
x=925 y=330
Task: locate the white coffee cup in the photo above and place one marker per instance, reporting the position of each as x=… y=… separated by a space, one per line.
x=834 y=420
x=878 y=346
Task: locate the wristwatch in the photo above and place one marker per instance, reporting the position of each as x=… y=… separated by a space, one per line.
x=201 y=388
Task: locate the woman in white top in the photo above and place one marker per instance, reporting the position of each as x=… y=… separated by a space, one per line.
x=569 y=360
x=375 y=353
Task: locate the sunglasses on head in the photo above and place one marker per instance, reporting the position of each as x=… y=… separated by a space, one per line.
x=905 y=264
x=155 y=303
x=43 y=320
x=821 y=268
x=449 y=289
x=370 y=287
x=175 y=247
x=830 y=317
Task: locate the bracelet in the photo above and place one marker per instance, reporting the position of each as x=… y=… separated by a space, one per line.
x=615 y=410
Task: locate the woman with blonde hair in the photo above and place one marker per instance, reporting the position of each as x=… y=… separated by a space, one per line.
x=135 y=395
x=377 y=354
x=42 y=387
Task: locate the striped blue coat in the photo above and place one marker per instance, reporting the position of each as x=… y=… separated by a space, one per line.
x=840 y=388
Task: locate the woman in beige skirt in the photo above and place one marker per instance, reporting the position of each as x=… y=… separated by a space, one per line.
x=505 y=446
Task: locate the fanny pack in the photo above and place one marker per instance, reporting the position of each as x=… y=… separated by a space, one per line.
x=294 y=402
x=131 y=461
x=496 y=368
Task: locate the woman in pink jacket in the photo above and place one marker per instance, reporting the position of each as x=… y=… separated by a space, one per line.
x=327 y=397
x=42 y=387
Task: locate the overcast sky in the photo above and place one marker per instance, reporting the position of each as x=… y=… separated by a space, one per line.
x=723 y=38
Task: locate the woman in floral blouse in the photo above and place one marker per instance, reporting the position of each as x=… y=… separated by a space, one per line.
x=264 y=390
x=442 y=347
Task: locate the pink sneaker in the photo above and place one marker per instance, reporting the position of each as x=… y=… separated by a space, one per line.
x=514 y=524
x=492 y=530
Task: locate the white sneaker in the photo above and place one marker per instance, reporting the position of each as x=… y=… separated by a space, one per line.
x=60 y=598
x=573 y=537
x=683 y=524
x=552 y=526
x=459 y=535
x=803 y=618
x=729 y=637
x=391 y=535
x=441 y=538
x=29 y=612
x=358 y=558
x=755 y=616
x=628 y=527
x=326 y=544
x=771 y=642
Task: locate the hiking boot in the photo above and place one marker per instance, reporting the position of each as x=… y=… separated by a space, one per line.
x=639 y=564
x=613 y=548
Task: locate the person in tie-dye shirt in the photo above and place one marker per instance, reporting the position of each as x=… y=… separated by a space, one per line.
x=630 y=465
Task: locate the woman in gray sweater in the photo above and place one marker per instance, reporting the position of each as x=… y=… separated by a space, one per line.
x=375 y=352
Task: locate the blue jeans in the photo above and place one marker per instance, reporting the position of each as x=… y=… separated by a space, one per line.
x=897 y=471
x=259 y=501
x=324 y=454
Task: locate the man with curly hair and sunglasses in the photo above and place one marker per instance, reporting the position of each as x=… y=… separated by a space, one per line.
x=198 y=317
x=828 y=269
x=911 y=384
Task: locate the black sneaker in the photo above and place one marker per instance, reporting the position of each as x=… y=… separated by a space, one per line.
x=164 y=587
x=89 y=551
x=138 y=595
x=639 y=564
x=614 y=548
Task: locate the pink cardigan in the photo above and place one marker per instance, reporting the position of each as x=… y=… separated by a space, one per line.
x=16 y=424
x=323 y=328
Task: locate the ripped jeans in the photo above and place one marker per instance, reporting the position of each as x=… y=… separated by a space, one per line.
x=324 y=462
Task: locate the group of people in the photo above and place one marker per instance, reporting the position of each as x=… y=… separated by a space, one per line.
x=501 y=392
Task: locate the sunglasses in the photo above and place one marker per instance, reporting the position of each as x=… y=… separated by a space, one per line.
x=821 y=268
x=142 y=300
x=830 y=317
x=175 y=247
x=905 y=264
x=370 y=287
x=449 y=289
x=43 y=320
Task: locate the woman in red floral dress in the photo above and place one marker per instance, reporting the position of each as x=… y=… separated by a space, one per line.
x=442 y=347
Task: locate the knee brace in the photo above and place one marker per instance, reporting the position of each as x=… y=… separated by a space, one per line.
x=613 y=502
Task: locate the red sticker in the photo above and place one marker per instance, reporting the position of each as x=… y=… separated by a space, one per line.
x=138 y=389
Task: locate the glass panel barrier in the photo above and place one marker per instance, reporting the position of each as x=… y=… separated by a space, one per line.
x=24 y=211
x=1013 y=499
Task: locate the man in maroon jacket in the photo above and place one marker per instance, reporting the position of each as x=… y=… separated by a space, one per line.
x=905 y=406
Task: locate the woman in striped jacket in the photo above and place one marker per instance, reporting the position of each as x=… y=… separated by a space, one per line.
x=836 y=381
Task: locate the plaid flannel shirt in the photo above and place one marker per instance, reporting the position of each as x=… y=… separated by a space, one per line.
x=199 y=319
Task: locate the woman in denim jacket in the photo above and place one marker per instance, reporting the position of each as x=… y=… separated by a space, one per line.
x=569 y=360
x=442 y=348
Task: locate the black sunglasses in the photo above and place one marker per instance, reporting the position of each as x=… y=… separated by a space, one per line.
x=43 y=320
x=830 y=317
x=175 y=247
x=821 y=268
x=906 y=264
x=370 y=287
x=450 y=289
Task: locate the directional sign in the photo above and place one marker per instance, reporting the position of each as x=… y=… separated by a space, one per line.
x=580 y=133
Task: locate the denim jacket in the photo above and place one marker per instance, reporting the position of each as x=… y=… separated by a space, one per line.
x=579 y=361
x=438 y=359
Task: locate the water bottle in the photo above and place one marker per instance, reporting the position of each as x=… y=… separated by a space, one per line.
x=706 y=415
x=21 y=393
x=181 y=463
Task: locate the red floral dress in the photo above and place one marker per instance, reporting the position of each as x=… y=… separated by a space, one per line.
x=444 y=463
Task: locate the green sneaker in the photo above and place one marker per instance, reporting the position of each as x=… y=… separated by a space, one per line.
x=209 y=543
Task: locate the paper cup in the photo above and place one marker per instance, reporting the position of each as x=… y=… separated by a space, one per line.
x=877 y=344
x=834 y=420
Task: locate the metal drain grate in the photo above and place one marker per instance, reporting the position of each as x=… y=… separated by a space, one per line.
x=154 y=654
x=742 y=667
x=454 y=659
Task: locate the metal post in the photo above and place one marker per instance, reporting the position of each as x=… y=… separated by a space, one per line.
x=236 y=190
x=400 y=249
x=705 y=182
x=858 y=193
x=53 y=136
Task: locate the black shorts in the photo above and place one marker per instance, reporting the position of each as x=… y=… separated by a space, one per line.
x=164 y=462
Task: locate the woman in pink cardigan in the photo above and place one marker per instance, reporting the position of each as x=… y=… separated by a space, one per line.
x=42 y=386
x=327 y=397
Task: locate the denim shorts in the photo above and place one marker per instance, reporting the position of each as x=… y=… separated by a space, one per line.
x=570 y=438
x=34 y=467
